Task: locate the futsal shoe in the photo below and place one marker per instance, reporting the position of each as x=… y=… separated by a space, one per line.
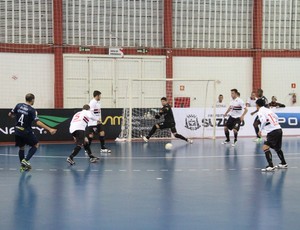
x=145 y=139
x=234 y=143
x=105 y=150
x=226 y=142
x=70 y=161
x=258 y=140
x=26 y=164
x=24 y=168
x=93 y=159
x=190 y=141
x=282 y=166
x=268 y=169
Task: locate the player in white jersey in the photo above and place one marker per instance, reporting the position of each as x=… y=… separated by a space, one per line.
x=95 y=126
x=251 y=100
x=77 y=129
x=237 y=111
x=269 y=123
x=256 y=122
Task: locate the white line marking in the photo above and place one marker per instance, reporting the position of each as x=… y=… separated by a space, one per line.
x=158 y=178
x=67 y=170
x=39 y=169
x=12 y=169
x=53 y=170
x=192 y=170
x=178 y=170
x=94 y=170
x=80 y=170
x=122 y=170
x=136 y=170
x=294 y=167
x=108 y=170
x=231 y=169
x=1 y=168
x=150 y=170
x=164 y=170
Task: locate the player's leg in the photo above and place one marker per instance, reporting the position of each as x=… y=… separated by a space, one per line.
x=277 y=147
x=91 y=131
x=87 y=149
x=102 y=139
x=237 y=124
x=32 y=141
x=228 y=125
x=19 y=142
x=78 y=137
x=256 y=124
x=179 y=136
x=152 y=131
x=268 y=154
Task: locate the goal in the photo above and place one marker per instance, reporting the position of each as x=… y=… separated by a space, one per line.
x=193 y=104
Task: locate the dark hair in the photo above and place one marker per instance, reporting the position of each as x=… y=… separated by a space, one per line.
x=96 y=93
x=260 y=90
x=86 y=107
x=234 y=90
x=260 y=102
x=29 y=97
x=163 y=99
x=220 y=95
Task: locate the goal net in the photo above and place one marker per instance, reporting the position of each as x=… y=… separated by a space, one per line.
x=193 y=104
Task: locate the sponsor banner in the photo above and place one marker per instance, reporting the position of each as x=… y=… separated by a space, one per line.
x=60 y=119
x=198 y=122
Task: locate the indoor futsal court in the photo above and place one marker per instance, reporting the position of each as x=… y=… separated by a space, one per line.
x=149 y=114
x=142 y=186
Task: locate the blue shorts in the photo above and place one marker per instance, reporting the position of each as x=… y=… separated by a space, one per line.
x=28 y=139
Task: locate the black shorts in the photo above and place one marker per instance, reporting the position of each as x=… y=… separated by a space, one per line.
x=29 y=139
x=95 y=129
x=79 y=137
x=274 y=139
x=168 y=125
x=233 y=123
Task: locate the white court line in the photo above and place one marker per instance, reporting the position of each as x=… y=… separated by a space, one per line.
x=108 y=170
x=231 y=169
x=150 y=170
x=53 y=170
x=164 y=170
x=122 y=170
x=67 y=170
x=176 y=157
x=80 y=170
x=94 y=170
x=219 y=169
x=245 y=168
x=136 y=170
x=12 y=169
x=39 y=169
x=1 y=168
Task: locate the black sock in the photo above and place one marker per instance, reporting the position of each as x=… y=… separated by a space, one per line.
x=227 y=135
x=235 y=135
x=102 y=142
x=281 y=156
x=90 y=140
x=256 y=131
x=269 y=157
x=87 y=149
x=75 y=151
x=21 y=154
x=180 y=137
x=154 y=128
x=31 y=152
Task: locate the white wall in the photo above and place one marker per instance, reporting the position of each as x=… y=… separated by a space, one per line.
x=277 y=76
x=232 y=72
x=26 y=73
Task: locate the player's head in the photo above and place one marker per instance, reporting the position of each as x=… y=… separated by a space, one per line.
x=86 y=107
x=259 y=103
x=164 y=101
x=220 y=98
x=274 y=99
x=234 y=93
x=253 y=95
x=97 y=95
x=260 y=92
x=29 y=98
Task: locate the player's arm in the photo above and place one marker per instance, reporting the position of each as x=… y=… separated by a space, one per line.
x=263 y=122
x=244 y=113
x=12 y=112
x=254 y=112
x=42 y=125
x=227 y=111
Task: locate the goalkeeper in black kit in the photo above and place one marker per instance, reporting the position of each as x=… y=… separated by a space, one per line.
x=168 y=123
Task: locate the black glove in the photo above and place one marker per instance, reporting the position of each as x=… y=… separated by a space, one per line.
x=157 y=116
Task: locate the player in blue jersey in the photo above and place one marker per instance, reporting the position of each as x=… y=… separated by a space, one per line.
x=25 y=115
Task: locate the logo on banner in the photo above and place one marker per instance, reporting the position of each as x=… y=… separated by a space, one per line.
x=192 y=122
x=289 y=120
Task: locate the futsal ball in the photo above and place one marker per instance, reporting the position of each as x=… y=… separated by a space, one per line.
x=168 y=146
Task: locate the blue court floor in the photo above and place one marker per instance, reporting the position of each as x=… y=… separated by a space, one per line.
x=205 y=185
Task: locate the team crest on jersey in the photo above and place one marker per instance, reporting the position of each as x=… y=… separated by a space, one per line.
x=192 y=122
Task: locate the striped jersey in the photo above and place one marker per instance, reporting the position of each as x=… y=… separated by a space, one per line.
x=80 y=120
x=95 y=108
x=268 y=119
x=237 y=106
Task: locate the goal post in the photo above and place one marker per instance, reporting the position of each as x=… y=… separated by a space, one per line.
x=193 y=104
